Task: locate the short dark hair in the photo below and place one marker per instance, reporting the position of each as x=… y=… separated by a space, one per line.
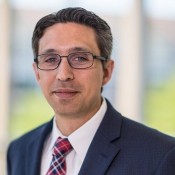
x=81 y=16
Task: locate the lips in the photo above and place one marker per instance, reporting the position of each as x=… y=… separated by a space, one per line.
x=65 y=93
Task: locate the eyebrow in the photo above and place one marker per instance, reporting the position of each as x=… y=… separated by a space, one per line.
x=78 y=49
x=47 y=51
x=71 y=50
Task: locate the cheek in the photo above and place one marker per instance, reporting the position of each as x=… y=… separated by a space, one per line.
x=45 y=81
x=94 y=82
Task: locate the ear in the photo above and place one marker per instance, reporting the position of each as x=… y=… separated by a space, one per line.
x=35 y=68
x=108 y=69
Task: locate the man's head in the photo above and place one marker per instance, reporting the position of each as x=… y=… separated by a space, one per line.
x=68 y=63
x=81 y=16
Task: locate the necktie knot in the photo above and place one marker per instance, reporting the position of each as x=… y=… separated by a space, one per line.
x=58 y=165
x=62 y=147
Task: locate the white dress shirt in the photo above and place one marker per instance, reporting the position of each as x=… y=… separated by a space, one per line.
x=79 y=139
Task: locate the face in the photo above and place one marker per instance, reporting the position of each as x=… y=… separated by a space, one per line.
x=72 y=92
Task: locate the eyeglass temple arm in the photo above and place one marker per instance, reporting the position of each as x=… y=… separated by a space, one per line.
x=100 y=58
x=35 y=60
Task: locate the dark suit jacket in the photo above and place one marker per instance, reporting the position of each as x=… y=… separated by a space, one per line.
x=120 y=147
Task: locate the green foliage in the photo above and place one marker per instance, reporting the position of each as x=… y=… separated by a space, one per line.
x=160 y=107
x=29 y=111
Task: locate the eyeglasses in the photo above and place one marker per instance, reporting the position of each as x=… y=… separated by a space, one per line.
x=78 y=60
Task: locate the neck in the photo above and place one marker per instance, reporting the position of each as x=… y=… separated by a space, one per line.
x=68 y=125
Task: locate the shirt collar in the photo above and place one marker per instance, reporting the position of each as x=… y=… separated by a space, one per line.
x=82 y=137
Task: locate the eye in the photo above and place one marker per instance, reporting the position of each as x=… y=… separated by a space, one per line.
x=51 y=59
x=81 y=59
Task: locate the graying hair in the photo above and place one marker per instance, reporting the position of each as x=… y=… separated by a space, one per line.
x=81 y=16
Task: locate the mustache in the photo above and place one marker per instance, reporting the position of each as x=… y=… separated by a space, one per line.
x=66 y=85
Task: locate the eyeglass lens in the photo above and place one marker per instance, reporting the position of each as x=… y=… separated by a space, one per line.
x=76 y=60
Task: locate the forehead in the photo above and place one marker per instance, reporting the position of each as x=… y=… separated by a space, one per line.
x=63 y=36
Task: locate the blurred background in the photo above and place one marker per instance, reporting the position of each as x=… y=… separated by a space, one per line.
x=143 y=83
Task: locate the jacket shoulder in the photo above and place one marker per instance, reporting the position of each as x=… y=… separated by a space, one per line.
x=145 y=133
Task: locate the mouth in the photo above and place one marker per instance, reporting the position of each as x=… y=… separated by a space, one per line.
x=65 y=93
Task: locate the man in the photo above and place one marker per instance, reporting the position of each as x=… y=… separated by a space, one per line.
x=72 y=50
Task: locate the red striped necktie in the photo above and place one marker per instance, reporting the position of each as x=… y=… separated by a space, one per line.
x=58 y=165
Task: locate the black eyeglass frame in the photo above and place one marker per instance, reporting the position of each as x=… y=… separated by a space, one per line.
x=61 y=56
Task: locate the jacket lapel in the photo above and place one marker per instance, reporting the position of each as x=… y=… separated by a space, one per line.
x=34 y=150
x=103 y=150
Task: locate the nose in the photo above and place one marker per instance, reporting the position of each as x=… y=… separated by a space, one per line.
x=64 y=71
